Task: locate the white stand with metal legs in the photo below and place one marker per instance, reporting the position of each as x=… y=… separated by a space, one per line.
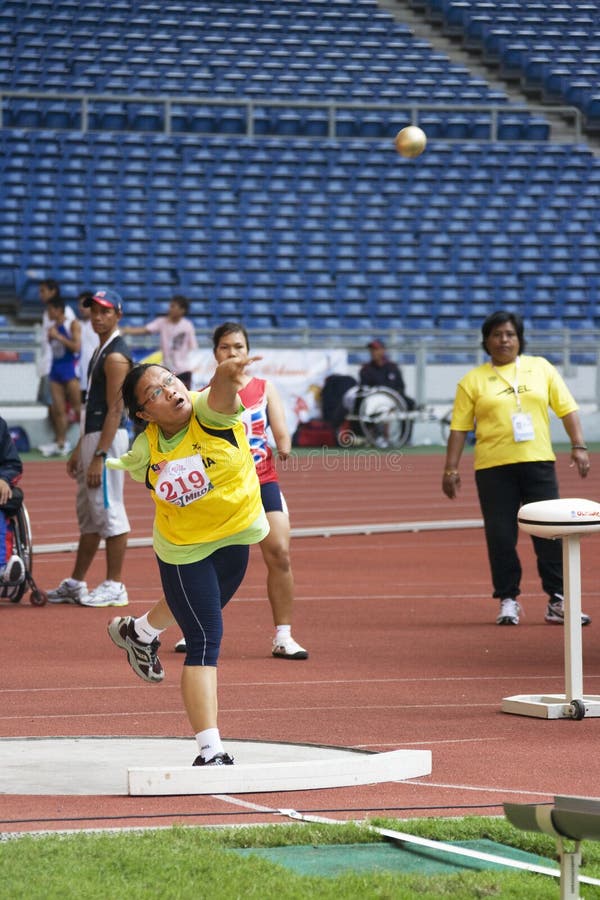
x=568 y=519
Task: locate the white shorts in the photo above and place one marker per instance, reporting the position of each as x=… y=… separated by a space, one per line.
x=102 y=510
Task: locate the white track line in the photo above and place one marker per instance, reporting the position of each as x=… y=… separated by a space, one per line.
x=134 y=685
x=248 y=709
x=480 y=789
x=319 y=531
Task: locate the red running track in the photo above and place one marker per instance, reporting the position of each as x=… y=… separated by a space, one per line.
x=404 y=653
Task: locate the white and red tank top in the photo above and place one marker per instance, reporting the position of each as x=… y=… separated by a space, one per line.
x=256 y=422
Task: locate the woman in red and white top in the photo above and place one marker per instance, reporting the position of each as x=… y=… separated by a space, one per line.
x=263 y=411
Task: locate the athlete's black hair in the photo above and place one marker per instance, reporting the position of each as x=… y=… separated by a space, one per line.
x=229 y=328
x=130 y=383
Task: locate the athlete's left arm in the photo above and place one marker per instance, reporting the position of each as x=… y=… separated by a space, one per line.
x=278 y=422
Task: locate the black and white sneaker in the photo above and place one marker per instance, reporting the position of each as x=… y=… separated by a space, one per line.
x=287 y=648
x=143 y=658
x=220 y=759
x=555 y=612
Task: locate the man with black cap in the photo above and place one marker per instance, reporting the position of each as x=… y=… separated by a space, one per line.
x=101 y=511
x=382 y=372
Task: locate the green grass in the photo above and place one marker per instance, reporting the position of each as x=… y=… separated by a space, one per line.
x=180 y=863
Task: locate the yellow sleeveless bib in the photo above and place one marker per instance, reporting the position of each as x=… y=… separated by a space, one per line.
x=206 y=488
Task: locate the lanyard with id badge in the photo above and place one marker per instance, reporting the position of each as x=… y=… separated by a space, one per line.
x=522 y=424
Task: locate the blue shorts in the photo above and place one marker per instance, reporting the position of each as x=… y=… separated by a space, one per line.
x=196 y=594
x=272 y=498
x=63 y=371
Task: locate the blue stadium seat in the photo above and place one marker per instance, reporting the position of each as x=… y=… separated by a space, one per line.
x=324 y=219
x=107 y=117
x=147 y=117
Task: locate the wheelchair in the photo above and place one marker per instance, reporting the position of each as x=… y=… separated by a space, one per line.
x=19 y=525
x=379 y=416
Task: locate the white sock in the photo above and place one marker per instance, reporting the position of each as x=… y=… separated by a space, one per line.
x=209 y=743
x=144 y=629
x=282 y=632
x=73 y=582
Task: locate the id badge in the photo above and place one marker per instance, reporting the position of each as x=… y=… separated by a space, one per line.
x=522 y=427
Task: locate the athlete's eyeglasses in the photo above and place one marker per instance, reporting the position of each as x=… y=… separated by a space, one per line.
x=156 y=393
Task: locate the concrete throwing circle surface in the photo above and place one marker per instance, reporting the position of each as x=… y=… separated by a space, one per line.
x=94 y=766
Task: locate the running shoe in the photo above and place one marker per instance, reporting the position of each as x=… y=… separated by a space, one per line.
x=109 y=593
x=555 y=613
x=68 y=591
x=220 y=759
x=180 y=646
x=14 y=571
x=287 y=648
x=509 y=612
x=143 y=658
x=49 y=449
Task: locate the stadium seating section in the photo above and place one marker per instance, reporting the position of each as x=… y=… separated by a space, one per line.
x=294 y=225
x=552 y=49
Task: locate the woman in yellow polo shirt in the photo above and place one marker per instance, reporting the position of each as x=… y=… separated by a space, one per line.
x=194 y=457
x=506 y=401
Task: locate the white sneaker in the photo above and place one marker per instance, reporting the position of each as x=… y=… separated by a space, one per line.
x=68 y=591
x=49 y=449
x=109 y=593
x=13 y=572
x=65 y=449
x=509 y=612
x=180 y=646
x=287 y=648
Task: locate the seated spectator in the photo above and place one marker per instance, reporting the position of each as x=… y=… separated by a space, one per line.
x=381 y=372
x=12 y=569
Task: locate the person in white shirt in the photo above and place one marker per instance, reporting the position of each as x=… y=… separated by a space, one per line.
x=89 y=339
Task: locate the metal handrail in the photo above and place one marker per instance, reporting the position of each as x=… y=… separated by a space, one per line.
x=409 y=347
x=411 y=110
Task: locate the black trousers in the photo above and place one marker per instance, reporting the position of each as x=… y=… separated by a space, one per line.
x=502 y=491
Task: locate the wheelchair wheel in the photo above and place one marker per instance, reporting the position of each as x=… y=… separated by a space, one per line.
x=24 y=547
x=382 y=416
x=23 y=537
x=38 y=598
x=445 y=425
x=18 y=593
